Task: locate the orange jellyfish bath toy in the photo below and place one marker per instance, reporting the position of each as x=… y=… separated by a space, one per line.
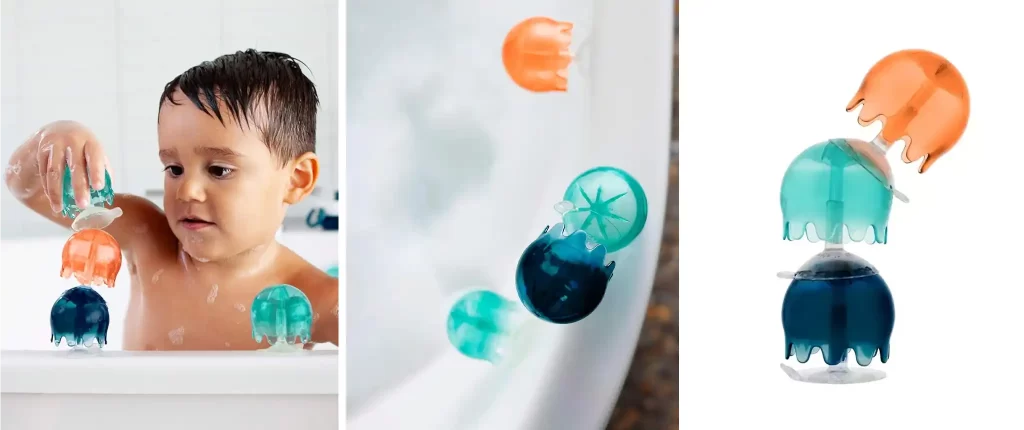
x=923 y=100
x=92 y=256
x=536 y=54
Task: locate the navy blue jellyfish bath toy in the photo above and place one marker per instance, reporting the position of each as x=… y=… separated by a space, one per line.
x=559 y=279
x=80 y=317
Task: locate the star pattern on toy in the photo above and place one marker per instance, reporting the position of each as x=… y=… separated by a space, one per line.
x=599 y=211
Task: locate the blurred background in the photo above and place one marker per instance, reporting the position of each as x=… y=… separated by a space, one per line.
x=650 y=396
x=452 y=168
x=104 y=63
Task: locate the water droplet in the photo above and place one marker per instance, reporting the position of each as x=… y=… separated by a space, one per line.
x=213 y=294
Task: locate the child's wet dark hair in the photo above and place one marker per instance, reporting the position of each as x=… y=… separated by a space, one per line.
x=265 y=90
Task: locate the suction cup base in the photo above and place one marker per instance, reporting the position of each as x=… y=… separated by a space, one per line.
x=834 y=374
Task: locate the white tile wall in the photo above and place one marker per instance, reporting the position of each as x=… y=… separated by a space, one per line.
x=105 y=62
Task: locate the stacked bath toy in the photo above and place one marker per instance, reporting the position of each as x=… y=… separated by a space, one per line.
x=80 y=315
x=562 y=276
x=841 y=191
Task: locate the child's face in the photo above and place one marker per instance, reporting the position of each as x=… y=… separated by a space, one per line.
x=224 y=192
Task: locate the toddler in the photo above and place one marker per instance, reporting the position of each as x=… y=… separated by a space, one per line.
x=237 y=142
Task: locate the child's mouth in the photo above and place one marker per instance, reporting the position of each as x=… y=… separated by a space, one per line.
x=195 y=223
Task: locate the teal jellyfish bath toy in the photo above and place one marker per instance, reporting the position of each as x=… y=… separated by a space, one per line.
x=283 y=315
x=97 y=198
x=837 y=191
x=608 y=204
x=486 y=326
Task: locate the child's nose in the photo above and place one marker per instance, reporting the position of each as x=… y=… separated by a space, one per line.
x=191 y=189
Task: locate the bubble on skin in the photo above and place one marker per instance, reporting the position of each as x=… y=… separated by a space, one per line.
x=316 y=316
x=239 y=307
x=14 y=169
x=177 y=336
x=335 y=311
x=183 y=258
x=156 y=276
x=213 y=294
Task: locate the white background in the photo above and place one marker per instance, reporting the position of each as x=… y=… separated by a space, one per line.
x=105 y=63
x=762 y=81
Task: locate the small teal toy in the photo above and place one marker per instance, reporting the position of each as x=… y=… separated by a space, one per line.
x=333 y=271
x=283 y=315
x=80 y=317
x=837 y=191
x=481 y=324
x=606 y=203
x=98 y=198
x=559 y=279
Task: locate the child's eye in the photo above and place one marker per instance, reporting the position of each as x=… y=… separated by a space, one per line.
x=174 y=171
x=220 y=172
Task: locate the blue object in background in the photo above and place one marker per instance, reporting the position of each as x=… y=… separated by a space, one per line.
x=324 y=218
x=559 y=280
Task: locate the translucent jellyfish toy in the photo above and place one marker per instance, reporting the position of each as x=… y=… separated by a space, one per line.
x=606 y=203
x=923 y=99
x=283 y=315
x=486 y=326
x=92 y=256
x=559 y=279
x=97 y=198
x=79 y=316
x=537 y=54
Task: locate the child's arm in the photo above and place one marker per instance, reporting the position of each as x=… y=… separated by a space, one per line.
x=35 y=175
x=326 y=327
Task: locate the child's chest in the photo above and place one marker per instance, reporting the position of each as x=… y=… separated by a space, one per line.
x=172 y=308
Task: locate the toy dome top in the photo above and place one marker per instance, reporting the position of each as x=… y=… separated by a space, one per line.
x=835 y=191
x=923 y=99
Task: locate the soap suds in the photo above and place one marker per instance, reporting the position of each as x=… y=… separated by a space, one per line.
x=213 y=294
x=239 y=307
x=177 y=335
x=156 y=276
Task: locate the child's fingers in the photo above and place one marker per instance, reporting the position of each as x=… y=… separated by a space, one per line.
x=95 y=161
x=79 y=174
x=54 y=176
x=42 y=163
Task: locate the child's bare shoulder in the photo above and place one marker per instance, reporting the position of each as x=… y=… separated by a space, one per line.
x=322 y=291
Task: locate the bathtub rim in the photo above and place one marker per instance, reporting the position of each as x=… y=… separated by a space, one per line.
x=170 y=372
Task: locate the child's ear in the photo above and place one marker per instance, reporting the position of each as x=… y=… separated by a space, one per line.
x=305 y=171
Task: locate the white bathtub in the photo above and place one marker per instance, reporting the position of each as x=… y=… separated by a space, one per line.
x=486 y=161
x=44 y=387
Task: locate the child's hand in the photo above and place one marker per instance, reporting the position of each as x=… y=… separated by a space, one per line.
x=68 y=143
